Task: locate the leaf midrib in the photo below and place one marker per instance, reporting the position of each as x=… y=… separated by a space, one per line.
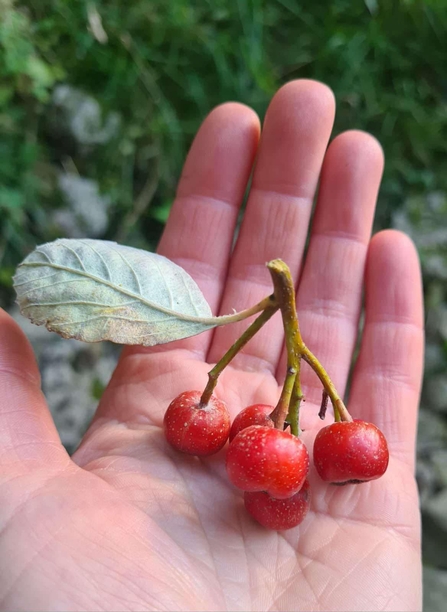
x=213 y=321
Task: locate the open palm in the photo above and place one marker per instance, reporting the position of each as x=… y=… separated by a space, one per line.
x=127 y=523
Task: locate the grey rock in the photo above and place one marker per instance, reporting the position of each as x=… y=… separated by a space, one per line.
x=432 y=432
x=434 y=542
x=423 y=218
x=86 y=214
x=437 y=201
x=435 y=590
x=427 y=481
x=439 y=461
x=434 y=357
x=435 y=391
x=436 y=265
x=436 y=509
x=84 y=116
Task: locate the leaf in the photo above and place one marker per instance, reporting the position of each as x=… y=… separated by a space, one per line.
x=95 y=290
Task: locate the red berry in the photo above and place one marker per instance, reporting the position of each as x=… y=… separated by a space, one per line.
x=196 y=430
x=278 y=514
x=258 y=414
x=264 y=459
x=350 y=452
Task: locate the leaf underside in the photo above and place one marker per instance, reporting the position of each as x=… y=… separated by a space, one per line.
x=95 y=290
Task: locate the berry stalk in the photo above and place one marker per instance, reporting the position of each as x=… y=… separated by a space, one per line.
x=293 y=416
x=214 y=374
x=340 y=411
x=296 y=349
x=287 y=407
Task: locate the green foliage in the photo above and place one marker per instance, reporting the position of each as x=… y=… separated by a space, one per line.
x=156 y=68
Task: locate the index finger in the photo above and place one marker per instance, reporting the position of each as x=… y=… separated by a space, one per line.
x=199 y=233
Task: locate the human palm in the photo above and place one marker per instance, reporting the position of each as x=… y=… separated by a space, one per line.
x=128 y=523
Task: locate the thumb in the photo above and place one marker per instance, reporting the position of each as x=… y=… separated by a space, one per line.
x=28 y=435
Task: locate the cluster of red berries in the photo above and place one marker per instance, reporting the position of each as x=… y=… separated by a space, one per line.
x=271 y=465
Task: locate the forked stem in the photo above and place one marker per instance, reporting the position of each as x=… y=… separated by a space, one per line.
x=285 y=296
x=291 y=395
x=289 y=402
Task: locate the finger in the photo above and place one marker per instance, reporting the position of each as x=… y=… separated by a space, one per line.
x=200 y=229
x=387 y=377
x=330 y=290
x=28 y=435
x=297 y=127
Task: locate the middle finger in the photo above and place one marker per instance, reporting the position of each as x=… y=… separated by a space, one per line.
x=296 y=131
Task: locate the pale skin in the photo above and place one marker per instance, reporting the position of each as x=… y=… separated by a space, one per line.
x=128 y=523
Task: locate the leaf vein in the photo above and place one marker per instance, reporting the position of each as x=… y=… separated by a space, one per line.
x=140 y=290
x=195 y=319
x=32 y=280
x=61 y=282
x=44 y=254
x=168 y=289
x=75 y=254
x=85 y=243
x=79 y=303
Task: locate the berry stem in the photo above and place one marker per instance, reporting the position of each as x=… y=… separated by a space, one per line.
x=296 y=349
x=285 y=297
x=214 y=374
x=340 y=411
x=281 y=411
x=323 y=407
x=293 y=416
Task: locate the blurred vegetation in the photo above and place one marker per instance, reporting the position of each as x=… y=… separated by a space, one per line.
x=155 y=68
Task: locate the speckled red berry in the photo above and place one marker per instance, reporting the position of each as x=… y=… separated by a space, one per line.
x=278 y=514
x=350 y=452
x=196 y=430
x=257 y=414
x=264 y=459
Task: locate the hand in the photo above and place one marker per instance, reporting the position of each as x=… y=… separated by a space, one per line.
x=129 y=524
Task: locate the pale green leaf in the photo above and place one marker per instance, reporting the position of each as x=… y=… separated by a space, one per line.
x=95 y=290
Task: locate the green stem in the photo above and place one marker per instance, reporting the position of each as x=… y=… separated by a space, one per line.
x=213 y=374
x=281 y=410
x=340 y=411
x=293 y=416
x=285 y=297
x=267 y=302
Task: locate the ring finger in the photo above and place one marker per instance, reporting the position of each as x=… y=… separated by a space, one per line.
x=330 y=291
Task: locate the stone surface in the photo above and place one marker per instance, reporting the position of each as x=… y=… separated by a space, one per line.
x=432 y=431
x=436 y=509
x=434 y=357
x=439 y=462
x=435 y=590
x=427 y=480
x=435 y=391
x=83 y=116
x=86 y=213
